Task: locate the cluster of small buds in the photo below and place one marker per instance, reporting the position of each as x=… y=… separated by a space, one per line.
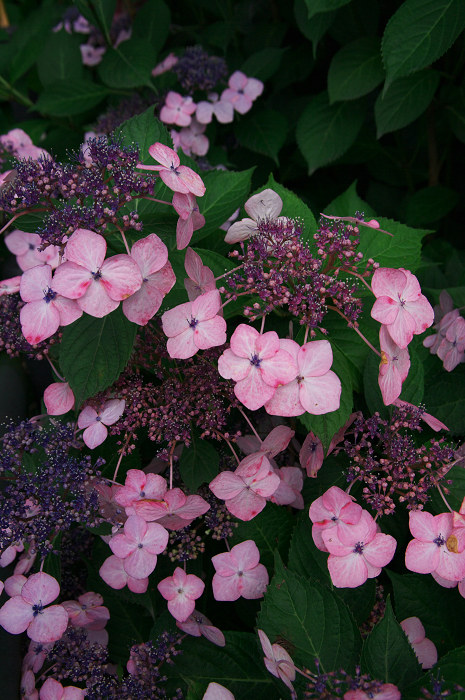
x=76 y=659
x=437 y=689
x=185 y=545
x=377 y=613
x=197 y=70
x=340 y=684
x=338 y=240
x=218 y=522
x=145 y=678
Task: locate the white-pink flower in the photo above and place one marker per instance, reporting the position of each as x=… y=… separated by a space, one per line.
x=424 y=649
x=181 y=590
x=177 y=177
x=277 y=660
x=222 y=109
x=95 y=422
x=192 y=139
x=177 y=109
x=434 y=548
x=242 y=91
x=239 y=573
x=452 y=347
x=190 y=219
x=139 y=546
x=393 y=368
x=87 y=611
x=263 y=206
x=26 y=248
x=58 y=398
x=140 y=486
x=216 y=691
x=114 y=574
x=289 y=490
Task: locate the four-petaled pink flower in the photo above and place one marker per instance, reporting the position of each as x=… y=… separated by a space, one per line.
x=181 y=590
x=177 y=109
x=200 y=278
x=289 y=490
x=245 y=490
x=95 y=422
x=424 y=649
x=316 y=389
x=138 y=486
x=222 y=109
x=258 y=364
x=197 y=625
x=139 y=546
x=26 y=248
x=27 y=612
x=277 y=660
x=53 y=690
x=174 y=511
x=151 y=256
x=191 y=139
x=194 y=326
x=435 y=547
x=97 y=284
x=263 y=206
x=452 y=347
x=58 y=398
x=239 y=573
x=114 y=574
x=335 y=508
x=242 y=91
x=393 y=368
x=45 y=310
x=177 y=177
x=190 y=219
x=400 y=305
x=87 y=611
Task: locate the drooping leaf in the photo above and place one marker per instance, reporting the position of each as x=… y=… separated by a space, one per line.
x=129 y=65
x=263 y=131
x=355 y=70
x=226 y=191
x=404 y=101
x=198 y=464
x=64 y=98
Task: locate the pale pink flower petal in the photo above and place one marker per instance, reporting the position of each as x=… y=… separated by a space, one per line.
x=215 y=691
x=94 y=435
x=311 y=455
x=58 y=398
x=50 y=625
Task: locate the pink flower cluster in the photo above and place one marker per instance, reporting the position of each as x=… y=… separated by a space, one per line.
x=449 y=341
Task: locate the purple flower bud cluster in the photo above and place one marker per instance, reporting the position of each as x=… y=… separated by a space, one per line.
x=185 y=544
x=334 y=684
x=145 y=679
x=114 y=116
x=217 y=520
x=196 y=70
x=78 y=660
x=12 y=340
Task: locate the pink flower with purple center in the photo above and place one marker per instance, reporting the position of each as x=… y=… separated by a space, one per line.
x=239 y=573
x=181 y=590
x=177 y=177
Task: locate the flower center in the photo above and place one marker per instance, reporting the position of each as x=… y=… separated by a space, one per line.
x=96 y=275
x=240 y=573
x=32 y=246
x=193 y=323
x=440 y=541
x=49 y=295
x=358 y=549
x=140 y=545
x=255 y=360
x=37 y=609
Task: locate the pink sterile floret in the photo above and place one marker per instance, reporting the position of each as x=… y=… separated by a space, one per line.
x=335 y=508
x=357 y=552
x=197 y=625
x=58 y=398
x=139 y=546
x=174 y=511
x=87 y=611
x=181 y=590
x=97 y=284
x=239 y=573
x=14 y=584
x=400 y=305
x=242 y=91
x=177 y=177
x=26 y=248
x=222 y=109
x=45 y=309
x=36 y=655
x=192 y=139
x=15 y=138
x=151 y=256
x=138 y=486
x=452 y=347
x=92 y=55
x=27 y=611
x=95 y=422
x=388 y=691
x=263 y=206
x=316 y=389
x=424 y=649
x=114 y=574
x=27 y=685
x=277 y=660
x=258 y=365
x=53 y=690
x=165 y=65
x=216 y=691
x=190 y=219
x=200 y=278
x=177 y=109
x=393 y=368
x=435 y=546
x=245 y=490
x=10 y=286
x=194 y=326
x=311 y=455
x=289 y=490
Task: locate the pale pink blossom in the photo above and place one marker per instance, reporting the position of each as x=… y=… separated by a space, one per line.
x=114 y=574
x=33 y=152
x=139 y=486
x=388 y=691
x=151 y=256
x=10 y=285
x=190 y=219
x=45 y=309
x=200 y=278
x=177 y=177
x=87 y=611
x=433 y=342
x=263 y=206
x=139 y=546
x=36 y=655
x=27 y=612
x=194 y=326
x=167 y=64
x=98 y=285
x=452 y=347
x=181 y=590
x=58 y=398
x=9 y=554
x=316 y=389
x=174 y=510
x=277 y=660
x=95 y=422
x=258 y=365
x=53 y=690
x=192 y=139
x=435 y=546
x=424 y=649
x=92 y=55
x=393 y=368
x=289 y=490
x=177 y=109
x=242 y=91
x=216 y=691
x=400 y=305
x=311 y=455
x=198 y=625
x=334 y=509
x=25 y=246
x=223 y=110
x=15 y=138
x=239 y=573
x=245 y=490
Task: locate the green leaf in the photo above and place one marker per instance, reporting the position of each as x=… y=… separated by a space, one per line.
x=324 y=132
x=387 y=654
x=316 y=6
x=294 y=208
x=152 y=23
x=347 y=203
x=314 y=29
x=355 y=70
x=144 y=130
x=429 y=205
x=263 y=64
x=226 y=191
x=455 y=491
x=404 y=100
x=444 y=396
x=456 y=113
x=65 y=98
x=28 y=40
x=419 y=33
x=94 y=352
x=60 y=59
x=128 y=66
x=99 y=13
x=198 y=464
x=270 y=530
x=310 y=618
x=404 y=241
x=450 y=670
x=263 y=131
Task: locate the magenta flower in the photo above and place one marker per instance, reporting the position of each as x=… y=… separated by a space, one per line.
x=177 y=109
x=190 y=219
x=45 y=310
x=239 y=573
x=388 y=691
x=198 y=625
x=263 y=206
x=245 y=490
x=452 y=347
x=174 y=510
x=311 y=455
x=400 y=305
x=434 y=548
x=87 y=611
x=138 y=486
x=222 y=109
x=139 y=546
x=277 y=660
x=25 y=247
x=53 y=690
x=335 y=508
x=315 y=389
x=258 y=364
x=393 y=368
x=200 y=278
x=357 y=552
x=177 y=177
x=194 y=326
x=27 y=612
x=242 y=91
x=151 y=256
x=181 y=590
x=95 y=422
x=58 y=398
x=424 y=649
x=114 y=574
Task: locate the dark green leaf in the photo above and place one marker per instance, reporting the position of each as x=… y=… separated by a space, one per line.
x=429 y=205
x=144 y=130
x=404 y=101
x=444 y=396
x=355 y=70
x=347 y=203
x=450 y=671
x=313 y=29
x=99 y=13
x=94 y=352
x=65 y=98
x=324 y=132
x=263 y=131
x=316 y=6
x=128 y=66
x=270 y=530
x=199 y=464
x=305 y=558
x=226 y=191
x=60 y=59
x=385 y=249
x=152 y=23
x=28 y=40
x=264 y=63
